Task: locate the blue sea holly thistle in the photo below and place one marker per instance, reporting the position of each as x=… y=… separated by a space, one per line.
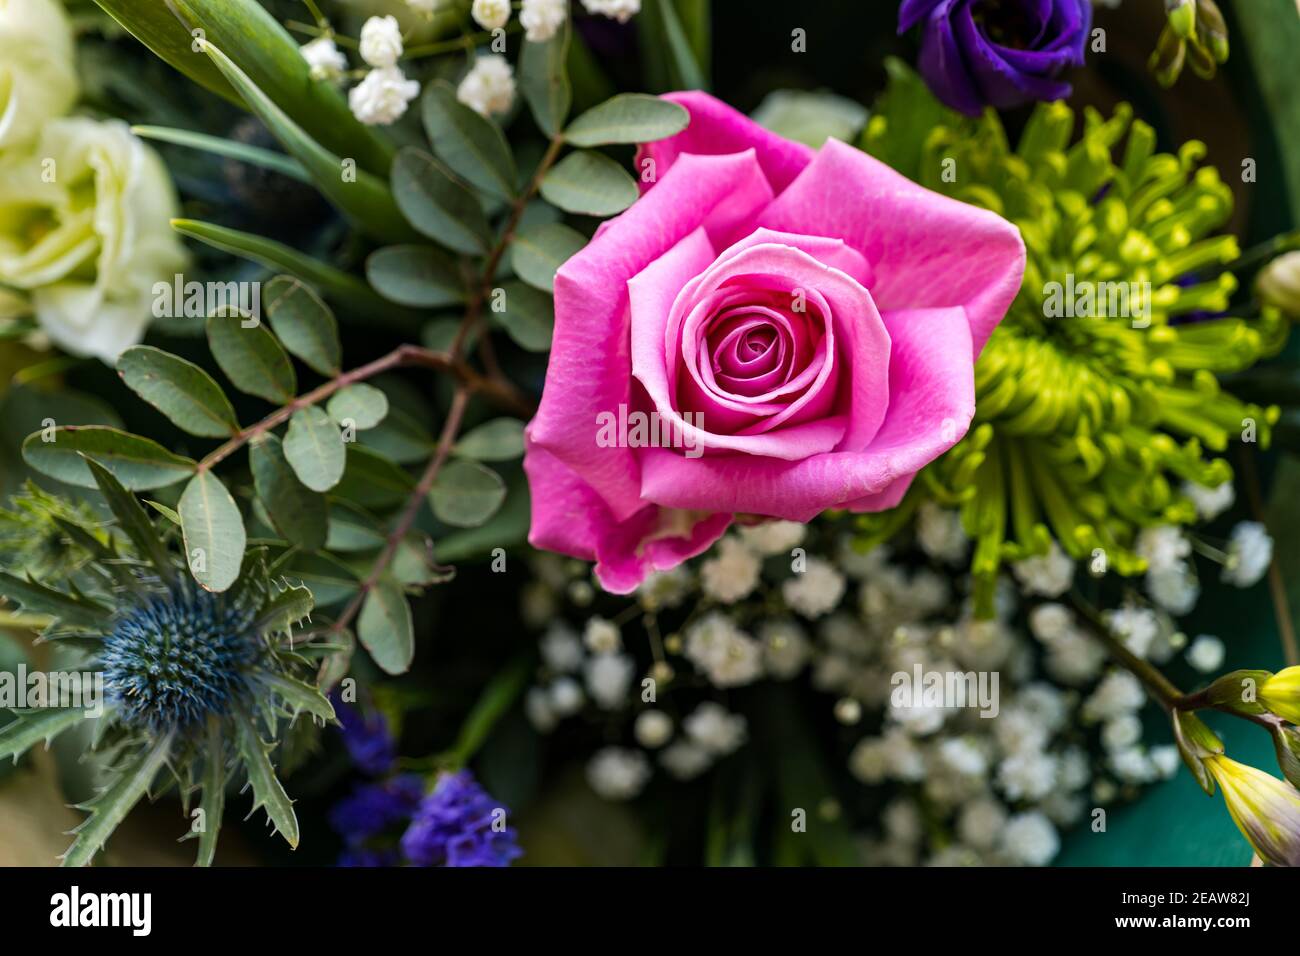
x=1097 y=395
x=194 y=682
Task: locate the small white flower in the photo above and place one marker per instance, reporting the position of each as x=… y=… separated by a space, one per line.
x=1132 y=765
x=726 y=654
x=1030 y=838
x=785 y=648
x=665 y=589
x=617 y=773
x=940 y=534
x=382 y=96
x=537 y=707
x=1018 y=731
x=1045 y=704
x=685 y=760
x=561 y=649
x=731 y=572
x=542 y=18
x=491 y=14
x=1075 y=771
x=773 y=537
x=1050 y=574
x=1250 y=552
x=1029 y=775
x=601 y=636
x=1206 y=653
x=1118 y=693
x=963 y=756
x=1075 y=658
x=1121 y=732
x=424 y=6
x=325 y=59
x=1048 y=622
x=1174 y=589
x=981 y=821
x=1163 y=547
x=620 y=10
x=1210 y=502
x=653 y=728
x=1063 y=809
x=608 y=678
x=902 y=821
x=1137 y=627
x=715 y=729
x=566 y=696
x=817 y=590
x=1165 y=760
x=381 y=41
x=489 y=87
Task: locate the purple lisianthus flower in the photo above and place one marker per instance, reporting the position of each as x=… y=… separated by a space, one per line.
x=1001 y=53
x=366 y=737
x=459 y=824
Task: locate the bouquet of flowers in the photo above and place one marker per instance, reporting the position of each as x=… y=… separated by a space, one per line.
x=452 y=414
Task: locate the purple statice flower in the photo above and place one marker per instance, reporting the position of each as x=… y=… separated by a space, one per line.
x=373 y=808
x=459 y=824
x=1001 y=53
x=362 y=856
x=366 y=737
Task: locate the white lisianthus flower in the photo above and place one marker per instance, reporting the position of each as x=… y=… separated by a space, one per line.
x=85 y=232
x=542 y=18
x=491 y=14
x=381 y=41
x=424 y=6
x=620 y=10
x=489 y=87
x=38 y=75
x=382 y=97
x=1250 y=552
x=326 y=60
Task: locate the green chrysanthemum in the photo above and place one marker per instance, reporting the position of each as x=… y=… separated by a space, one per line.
x=1086 y=420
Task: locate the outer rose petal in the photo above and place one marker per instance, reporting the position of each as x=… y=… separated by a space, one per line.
x=932 y=401
x=590 y=364
x=927 y=251
x=570 y=518
x=715 y=128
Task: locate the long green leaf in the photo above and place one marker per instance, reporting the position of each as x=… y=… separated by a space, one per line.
x=299 y=514
x=30 y=727
x=544 y=80
x=422 y=277
x=268 y=792
x=471 y=145
x=36 y=598
x=132 y=519
x=181 y=390
x=139 y=463
x=112 y=805
x=214 y=532
x=227 y=148
x=385 y=627
x=360 y=196
x=627 y=118
x=304 y=324
x=254 y=39
x=438 y=206
x=213 y=803
x=252 y=358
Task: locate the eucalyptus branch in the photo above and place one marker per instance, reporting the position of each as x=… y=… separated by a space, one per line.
x=450 y=429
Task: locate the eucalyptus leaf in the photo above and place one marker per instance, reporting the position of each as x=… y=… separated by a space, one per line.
x=385 y=627
x=529 y=317
x=314 y=448
x=301 y=515
x=252 y=358
x=214 y=532
x=361 y=405
x=627 y=118
x=465 y=494
x=304 y=323
x=544 y=80
x=590 y=184
x=472 y=146
x=438 y=206
x=537 y=253
x=501 y=439
x=421 y=277
x=181 y=390
x=139 y=463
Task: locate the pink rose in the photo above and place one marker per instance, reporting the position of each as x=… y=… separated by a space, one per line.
x=770 y=330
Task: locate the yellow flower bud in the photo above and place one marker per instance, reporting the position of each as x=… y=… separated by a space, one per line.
x=1280 y=694
x=1265 y=809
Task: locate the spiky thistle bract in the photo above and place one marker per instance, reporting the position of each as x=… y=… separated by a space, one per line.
x=199 y=687
x=1097 y=395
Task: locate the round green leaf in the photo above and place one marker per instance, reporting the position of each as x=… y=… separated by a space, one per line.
x=528 y=318
x=465 y=494
x=538 y=253
x=437 y=205
x=302 y=516
x=304 y=323
x=352 y=529
x=544 y=80
x=385 y=628
x=373 y=481
x=627 y=118
x=138 y=463
x=314 y=448
x=364 y=406
x=180 y=390
x=419 y=276
x=590 y=184
x=252 y=358
x=501 y=439
x=471 y=145
x=214 y=532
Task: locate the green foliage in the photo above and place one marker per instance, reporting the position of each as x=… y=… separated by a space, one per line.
x=305 y=325
x=214 y=531
x=437 y=205
x=590 y=184
x=180 y=390
x=385 y=627
x=418 y=276
x=252 y=358
x=472 y=146
x=627 y=118
x=538 y=253
x=466 y=494
x=544 y=81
